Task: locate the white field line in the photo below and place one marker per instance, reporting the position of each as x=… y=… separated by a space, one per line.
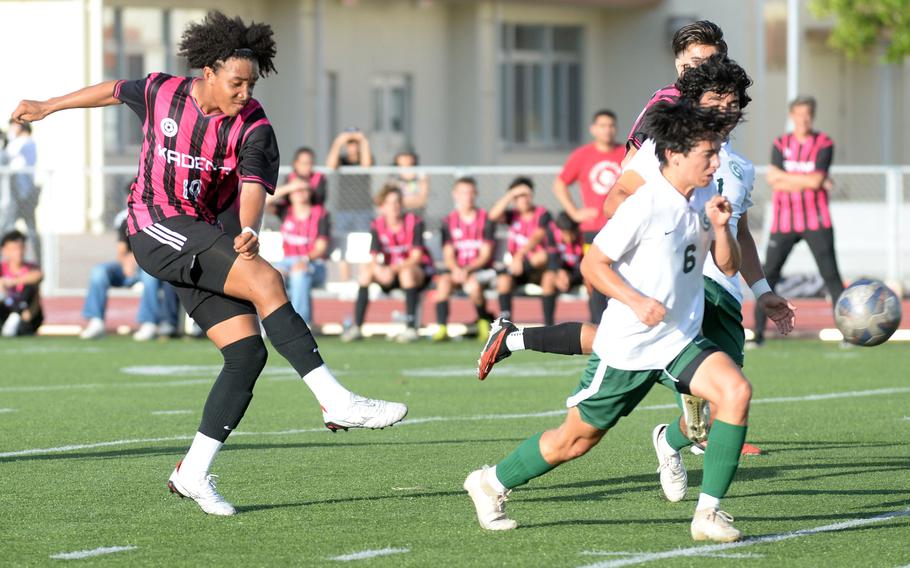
x=705 y=555
x=140 y=384
x=714 y=548
x=418 y=421
x=7 y=410
x=170 y=412
x=365 y=554
x=80 y=554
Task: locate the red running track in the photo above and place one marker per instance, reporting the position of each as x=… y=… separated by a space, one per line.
x=812 y=314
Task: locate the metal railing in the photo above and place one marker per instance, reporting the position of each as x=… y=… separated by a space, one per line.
x=75 y=205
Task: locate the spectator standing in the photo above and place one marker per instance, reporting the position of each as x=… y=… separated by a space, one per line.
x=20 y=299
x=353 y=210
x=595 y=167
x=798 y=176
x=21 y=155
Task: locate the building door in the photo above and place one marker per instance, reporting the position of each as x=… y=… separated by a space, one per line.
x=391 y=108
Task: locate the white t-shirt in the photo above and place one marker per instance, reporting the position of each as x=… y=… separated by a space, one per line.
x=733 y=179
x=658 y=240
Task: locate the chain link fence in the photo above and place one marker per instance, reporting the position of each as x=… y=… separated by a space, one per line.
x=868 y=205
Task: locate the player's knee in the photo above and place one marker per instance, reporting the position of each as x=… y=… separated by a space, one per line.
x=245 y=360
x=738 y=393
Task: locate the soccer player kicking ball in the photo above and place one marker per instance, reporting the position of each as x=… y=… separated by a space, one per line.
x=206 y=144
x=649 y=259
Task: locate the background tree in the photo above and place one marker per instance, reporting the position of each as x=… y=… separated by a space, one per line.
x=862 y=25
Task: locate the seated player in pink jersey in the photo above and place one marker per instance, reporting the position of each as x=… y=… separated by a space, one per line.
x=20 y=300
x=468 y=240
x=302 y=172
x=305 y=233
x=565 y=257
x=529 y=240
x=400 y=261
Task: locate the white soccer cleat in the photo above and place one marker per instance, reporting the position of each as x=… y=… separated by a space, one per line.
x=166 y=329
x=202 y=491
x=146 y=332
x=673 y=478
x=409 y=335
x=489 y=504
x=11 y=325
x=352 y=333
x=363 y=412
x=94 y=329
x=716 y=525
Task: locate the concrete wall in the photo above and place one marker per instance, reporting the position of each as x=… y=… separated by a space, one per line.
x=62 y=138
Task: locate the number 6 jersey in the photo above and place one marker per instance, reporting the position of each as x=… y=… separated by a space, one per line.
x=658 y=241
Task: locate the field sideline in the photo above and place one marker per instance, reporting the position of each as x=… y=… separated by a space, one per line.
x=90 y=431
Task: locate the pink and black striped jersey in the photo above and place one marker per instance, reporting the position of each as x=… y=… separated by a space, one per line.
x=192 y=163
x=300 y=235
x=468 y=238
x=396 y=244
x=806 y=210
x=637 y=135
x=570 y=253
x=522 y=227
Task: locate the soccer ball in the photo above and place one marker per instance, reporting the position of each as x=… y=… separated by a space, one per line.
x=867 y=313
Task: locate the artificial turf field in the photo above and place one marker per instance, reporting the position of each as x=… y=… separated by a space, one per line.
x=89 y=433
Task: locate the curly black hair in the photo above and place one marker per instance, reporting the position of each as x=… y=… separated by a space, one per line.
x=718 y=74
x=217 y=38
x=680 y=126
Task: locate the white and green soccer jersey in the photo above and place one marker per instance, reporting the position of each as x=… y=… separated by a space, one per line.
x=659 y=241
x=734 y=178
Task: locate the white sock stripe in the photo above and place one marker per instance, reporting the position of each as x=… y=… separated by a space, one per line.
x=162 y=240
x=162 y=234
x=171 y=232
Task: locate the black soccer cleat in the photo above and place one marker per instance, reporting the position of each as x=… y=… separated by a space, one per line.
x=495 y=349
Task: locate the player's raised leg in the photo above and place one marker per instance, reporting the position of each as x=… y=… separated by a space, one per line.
x=569 y=338
x=255 y=280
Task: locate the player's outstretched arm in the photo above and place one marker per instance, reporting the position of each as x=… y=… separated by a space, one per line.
x=597 y=268
x=98 y=95
x=725 y=248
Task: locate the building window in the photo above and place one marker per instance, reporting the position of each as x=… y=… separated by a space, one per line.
x=139 y=41
x=540 y=85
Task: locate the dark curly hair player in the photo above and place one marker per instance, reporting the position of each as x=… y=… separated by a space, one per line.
x=206 y=144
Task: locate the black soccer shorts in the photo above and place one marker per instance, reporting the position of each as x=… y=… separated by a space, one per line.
x=195 y=257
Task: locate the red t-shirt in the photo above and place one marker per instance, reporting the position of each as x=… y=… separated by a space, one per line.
x=595 y=172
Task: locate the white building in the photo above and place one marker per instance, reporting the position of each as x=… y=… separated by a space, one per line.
x=460 y=81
